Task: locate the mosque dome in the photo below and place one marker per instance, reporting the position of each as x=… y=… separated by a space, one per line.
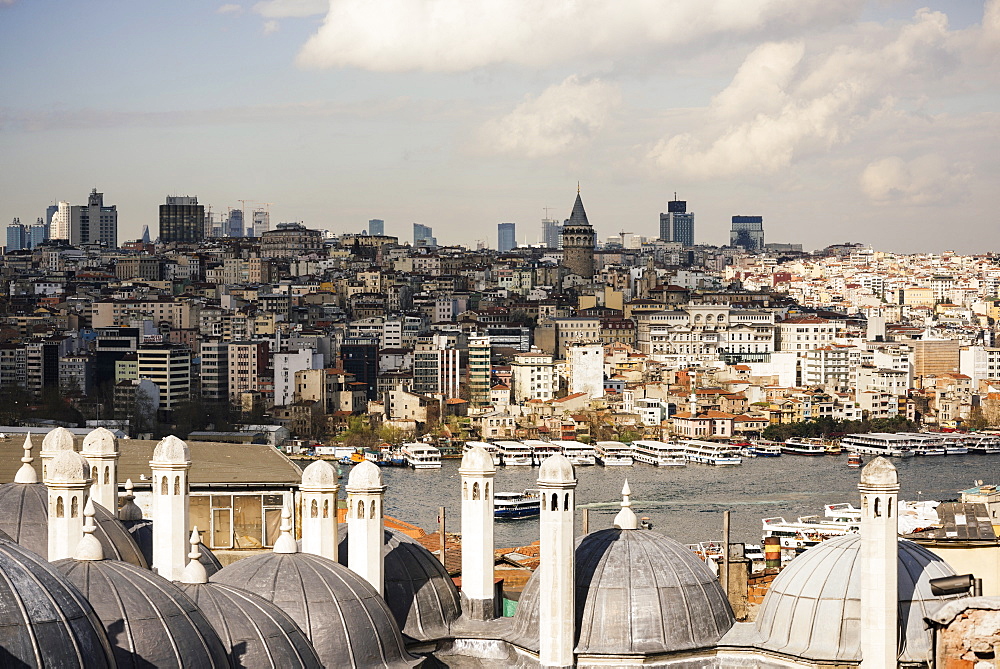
x=813 y=608
x=638 y=592
x=47 y=621
x=422 y=597
x=141 y=533
x=24 y=516
x=346 y=619
x=150 y=622
x=256 y=633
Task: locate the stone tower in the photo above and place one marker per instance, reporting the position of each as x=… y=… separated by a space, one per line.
x=170 y=466
x=477 y=472
x=879 y=489
x=365 y=524
x=556 y=612
x=578 y=240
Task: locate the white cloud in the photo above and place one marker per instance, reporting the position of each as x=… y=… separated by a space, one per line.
x=271 y=27
x=229 y=8
x=461 y=35
x=561 y=116
x=290 y=9
x=928 y=179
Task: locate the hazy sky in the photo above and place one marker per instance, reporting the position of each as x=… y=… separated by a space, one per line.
x=836 y=120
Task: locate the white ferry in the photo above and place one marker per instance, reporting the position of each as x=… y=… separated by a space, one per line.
x=421 y=456
x=541 y=450
x=983 y=444
x=804 y=446
x=711 y=453
x=762 y=448
x=879 y=443
x=658 y=453
x=515 y=505
x=955 y=444
x=926 y=443
x=514 y=454
x=581 y=455
x=488 y=447
x=613 y=453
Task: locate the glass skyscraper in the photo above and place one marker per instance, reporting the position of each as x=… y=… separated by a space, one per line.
x=506 y=237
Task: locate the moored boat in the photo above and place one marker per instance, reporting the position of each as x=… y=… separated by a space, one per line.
x=613 y=453
x=580 y=454
x=804 y=446
x=516 y=505
x=711 y=453
x=541 y=450
x=421 y=456
x=854 y=461
x=658 y=453
x=514 y=454
x=488 y=447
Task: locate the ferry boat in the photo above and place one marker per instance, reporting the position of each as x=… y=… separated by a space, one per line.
x=421 y=456
x=879 y=443
x=925 y=443
x=514 y=454
x=488 y=447
x=613 y=453
x=581 y=455
x=762 y=448
x=515 y=505
x=854 y=461
x=711 y=453
x=658 y=453
x=983 y=444
x=541 y=450
x=955 y=444
x=804 y=446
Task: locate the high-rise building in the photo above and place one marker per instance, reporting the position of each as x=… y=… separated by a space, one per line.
x=435 y=368
x=94 y=223
x=182 y=219
x=38 y=233
x=551 y=233
x=376 y=226
x=480 y=369
x=59 y=225
x=747 y=232
x=360 y=358
x=234 y=224
x=169 y=367
x=17 y=236
x=677 y=225
x=506 y=237
x=578 y=241
x=261 y=222
x=423 y=235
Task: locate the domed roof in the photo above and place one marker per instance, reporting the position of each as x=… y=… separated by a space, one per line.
x=813 y=608
x=171 y=451
x=365 y=474
x=556 y=469
x=255 y=632
x=879 y=473
x=319 y=474
x=24 y=516
x=422 y=597
x=59 y=439
x=150 y=622
x=100 y=441
x=476 y=460
x=637 y=593
x=47 y=621
x=347 y=621
x=68 y=467
x=141 y=532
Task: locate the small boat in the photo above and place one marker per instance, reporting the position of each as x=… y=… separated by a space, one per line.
x=854 y=460
x=516 y=505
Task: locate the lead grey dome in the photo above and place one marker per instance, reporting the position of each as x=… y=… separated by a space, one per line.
x=24 y=516
x=418 y=590
x=150 y=622
x=637 y=593
x=47 y=621
x=813 y=608
x=346 y=619
x=256 y=633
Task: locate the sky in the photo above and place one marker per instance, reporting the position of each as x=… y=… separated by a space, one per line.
x=871 y=121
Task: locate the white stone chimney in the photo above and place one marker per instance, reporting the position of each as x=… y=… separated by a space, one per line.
x=319 y=509
x=477 y=472
x=67 y=481
x=557 y=606
x=170 y=465
x=365 y=526
x=59 y=439
x=101 y=450
x=879 y=489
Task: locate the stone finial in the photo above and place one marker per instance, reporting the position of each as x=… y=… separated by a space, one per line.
x=626 y=518
x=286 y=543
x=129 y=509
x=27 y=473
x=194 y=572
x=171 y=451
x=89 y=547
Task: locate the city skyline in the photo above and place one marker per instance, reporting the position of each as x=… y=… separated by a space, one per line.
x=865 y=121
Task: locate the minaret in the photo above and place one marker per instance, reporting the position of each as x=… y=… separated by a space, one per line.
x=365 y=528
x=59 y=439
x=67 y=481
x=557 y=606
x=693 y=397
x=319 y=509
x=170 y=505
x=477 y=472
x=879 y=489
x=578 y=241
x=26 y=473
x=101 y=450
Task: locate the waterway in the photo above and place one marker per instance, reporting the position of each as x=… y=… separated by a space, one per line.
x=687 y=503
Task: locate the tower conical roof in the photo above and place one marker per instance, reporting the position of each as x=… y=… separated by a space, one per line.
x=579 y=215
